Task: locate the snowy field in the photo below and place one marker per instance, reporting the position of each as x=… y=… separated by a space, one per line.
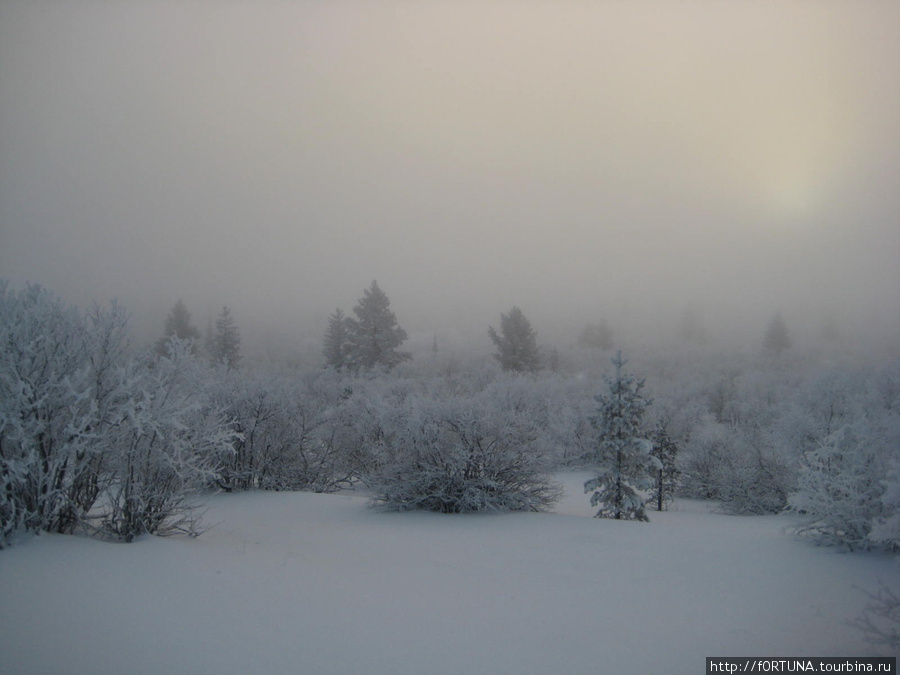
x=318 y=584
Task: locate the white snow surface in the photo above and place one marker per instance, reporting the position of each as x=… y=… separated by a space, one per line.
x=321 y=584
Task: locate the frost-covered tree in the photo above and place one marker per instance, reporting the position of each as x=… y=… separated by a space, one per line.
x=374 y=336
x=623 y=462
x=178 y=325
x=777 y=338
x=337 y=341
x=665 y=480
x=226 y=341
x=516 y=342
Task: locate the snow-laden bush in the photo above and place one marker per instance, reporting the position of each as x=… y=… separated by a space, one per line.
x=462 y=454
x=311 y=431
x=89 y=435
x=722 y=463
x=848 y=490
x=50 y=450
x=841 y=488
x=165 y=444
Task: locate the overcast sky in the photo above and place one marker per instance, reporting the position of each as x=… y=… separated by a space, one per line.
x=579 y=159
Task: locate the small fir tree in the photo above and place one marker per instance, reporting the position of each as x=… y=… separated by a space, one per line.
x=624 y=460
x=374 y=337
x=226 y=342
x=665 y=481
x=336 y=346
x=516 y=343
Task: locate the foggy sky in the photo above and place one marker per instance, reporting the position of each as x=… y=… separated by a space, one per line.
x=583 y=160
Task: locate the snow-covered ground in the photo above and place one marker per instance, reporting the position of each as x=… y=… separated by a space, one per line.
x=318 y=584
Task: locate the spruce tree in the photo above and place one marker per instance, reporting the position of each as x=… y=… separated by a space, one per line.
x=665 y=481
x=623 y=460
x=178 y=325
x=517 y=348
x=336 y=344
x=374 y=337
x=226 y=342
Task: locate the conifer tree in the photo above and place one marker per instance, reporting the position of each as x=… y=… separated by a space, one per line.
x=623 y=460
x=374 y=337
x=517 y=348
x=226 y=342
x=665 y=481
x=336 y=345
x=178 y=325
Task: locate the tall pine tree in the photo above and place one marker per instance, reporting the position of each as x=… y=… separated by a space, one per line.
x=623 y=461
x=374 y=337
x=517 y=348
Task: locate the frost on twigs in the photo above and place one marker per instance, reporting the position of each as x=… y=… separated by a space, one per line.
x=880 y=620
x=92 y=437
x=456 y=456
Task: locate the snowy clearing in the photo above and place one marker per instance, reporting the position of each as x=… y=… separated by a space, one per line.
x=307 y=583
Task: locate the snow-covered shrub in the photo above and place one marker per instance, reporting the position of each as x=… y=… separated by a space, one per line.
x=848 y=484
x=320 y=454
x=841 y=487
x=754 y=481
x=165 y=445
x=723 y=463
x=461 y=454
x=820 y=406
x=304 y=432
x=50 y=377
x=90 y=434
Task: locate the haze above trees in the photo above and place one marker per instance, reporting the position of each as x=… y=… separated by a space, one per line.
x=473 y=181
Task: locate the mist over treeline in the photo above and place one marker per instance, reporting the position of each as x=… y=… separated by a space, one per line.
x=614 y=161
x=569 y=343
x=849 y=335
